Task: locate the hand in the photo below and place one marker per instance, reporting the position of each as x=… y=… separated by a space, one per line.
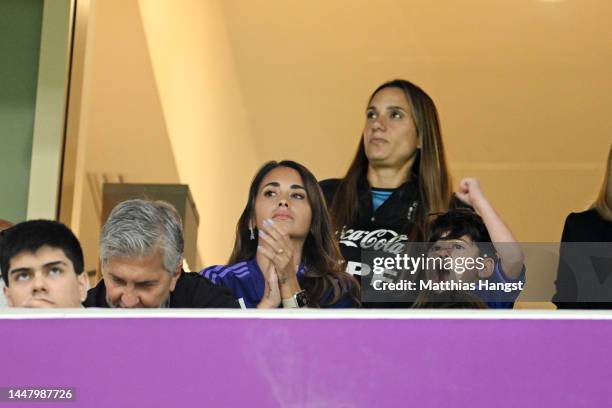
x=272 y=297
x=276 y=246
x=470 y=192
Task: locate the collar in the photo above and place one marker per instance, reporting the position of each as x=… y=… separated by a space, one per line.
x=399 y=206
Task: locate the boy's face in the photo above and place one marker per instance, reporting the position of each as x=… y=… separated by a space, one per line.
x=45 y=278
x=461 y=260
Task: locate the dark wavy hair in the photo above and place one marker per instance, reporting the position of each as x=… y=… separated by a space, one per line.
x=460 y=222
x=434 y=181
x=324 y=267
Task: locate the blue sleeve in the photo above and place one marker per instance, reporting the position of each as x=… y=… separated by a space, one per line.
x=236 y=278
x=212 y=273
x=500 y=276
x=498 y=299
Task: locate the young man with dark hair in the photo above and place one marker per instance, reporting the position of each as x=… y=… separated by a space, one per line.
x=476 y=251
x=42 y=265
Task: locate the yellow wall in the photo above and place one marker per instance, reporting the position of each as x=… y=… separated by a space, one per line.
x=124 y=131
x=168 y=113
x=205 y=118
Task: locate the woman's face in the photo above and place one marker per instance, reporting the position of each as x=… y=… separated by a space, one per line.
x=390 y=135
x=282 y=198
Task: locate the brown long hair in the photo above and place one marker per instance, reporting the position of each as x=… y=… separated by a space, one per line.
x=603 y=203
x=324 y=273
x=434 y=182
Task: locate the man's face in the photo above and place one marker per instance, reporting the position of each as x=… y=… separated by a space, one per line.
x=44 y=279
x=137 y=282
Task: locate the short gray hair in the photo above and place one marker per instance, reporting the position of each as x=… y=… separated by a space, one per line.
x=139 y=227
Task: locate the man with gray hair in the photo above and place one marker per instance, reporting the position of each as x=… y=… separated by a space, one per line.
x=141 y=255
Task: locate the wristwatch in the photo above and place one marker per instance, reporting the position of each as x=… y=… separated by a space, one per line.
x=299 y=299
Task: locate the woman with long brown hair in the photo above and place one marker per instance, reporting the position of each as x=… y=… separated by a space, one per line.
x=396 y=179
x=285 y=252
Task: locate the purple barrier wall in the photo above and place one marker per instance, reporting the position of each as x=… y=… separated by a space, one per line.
x=174 y=362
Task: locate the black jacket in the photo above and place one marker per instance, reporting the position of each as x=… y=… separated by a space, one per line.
x=191 y=291
x=397 y=216
x=385 y=231
x=587 y=226
x=394 y=219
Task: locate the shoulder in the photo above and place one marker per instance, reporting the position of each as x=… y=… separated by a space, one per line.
x=193 y=290
x=583 y=217
x=347 y=286
x=221 y=273
x=500 y=276
x=579 y=226
x=189 y=281
x=331 y=183
x=96 y=296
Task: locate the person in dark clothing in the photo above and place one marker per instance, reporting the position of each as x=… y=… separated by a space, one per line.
x=191 y=291
x=585 y=264
x=397 y=178
x=141 y=255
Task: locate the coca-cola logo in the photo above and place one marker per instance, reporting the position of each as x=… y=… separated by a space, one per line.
x=385 y=240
